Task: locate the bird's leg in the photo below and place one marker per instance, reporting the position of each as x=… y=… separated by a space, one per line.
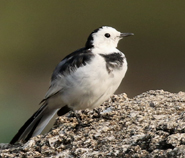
x=98 y=112
x=101 y=116
x=80 y=124
x=77 y=117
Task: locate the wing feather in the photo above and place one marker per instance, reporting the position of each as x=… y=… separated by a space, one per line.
x=68 y=65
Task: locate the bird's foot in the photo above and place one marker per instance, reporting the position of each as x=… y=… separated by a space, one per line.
x=80 y=124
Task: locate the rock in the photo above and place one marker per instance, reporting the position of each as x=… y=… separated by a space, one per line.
x=151 y=124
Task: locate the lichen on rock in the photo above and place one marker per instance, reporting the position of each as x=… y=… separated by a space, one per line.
x=151 y=124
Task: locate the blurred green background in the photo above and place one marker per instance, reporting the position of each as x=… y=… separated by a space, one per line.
x=36 y=35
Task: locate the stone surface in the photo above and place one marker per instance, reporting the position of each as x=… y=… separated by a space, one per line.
x=151 y=124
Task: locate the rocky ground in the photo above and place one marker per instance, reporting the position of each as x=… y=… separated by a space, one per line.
x=151 y=124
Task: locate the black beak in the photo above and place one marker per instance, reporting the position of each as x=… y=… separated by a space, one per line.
x=126 y=34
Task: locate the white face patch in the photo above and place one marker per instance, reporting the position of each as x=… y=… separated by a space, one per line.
x=106 y=37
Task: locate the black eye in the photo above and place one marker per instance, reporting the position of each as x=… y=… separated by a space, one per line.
x=107 y=35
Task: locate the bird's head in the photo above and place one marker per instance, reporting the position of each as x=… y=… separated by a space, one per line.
x=105 y=37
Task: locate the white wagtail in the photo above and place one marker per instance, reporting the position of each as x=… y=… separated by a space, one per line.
x=83 y=79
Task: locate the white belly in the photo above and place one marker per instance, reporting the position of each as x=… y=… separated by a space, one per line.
x=93 y=86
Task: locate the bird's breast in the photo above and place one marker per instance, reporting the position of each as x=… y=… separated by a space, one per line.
x=94 y=83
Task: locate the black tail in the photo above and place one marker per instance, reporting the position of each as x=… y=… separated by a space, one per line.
x=35 y=124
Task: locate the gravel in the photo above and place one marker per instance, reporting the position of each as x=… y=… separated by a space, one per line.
x=150 y=125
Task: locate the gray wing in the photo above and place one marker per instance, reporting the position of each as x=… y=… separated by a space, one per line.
x=67 y=66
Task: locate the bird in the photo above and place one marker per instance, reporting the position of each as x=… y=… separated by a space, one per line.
x=84 y=79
